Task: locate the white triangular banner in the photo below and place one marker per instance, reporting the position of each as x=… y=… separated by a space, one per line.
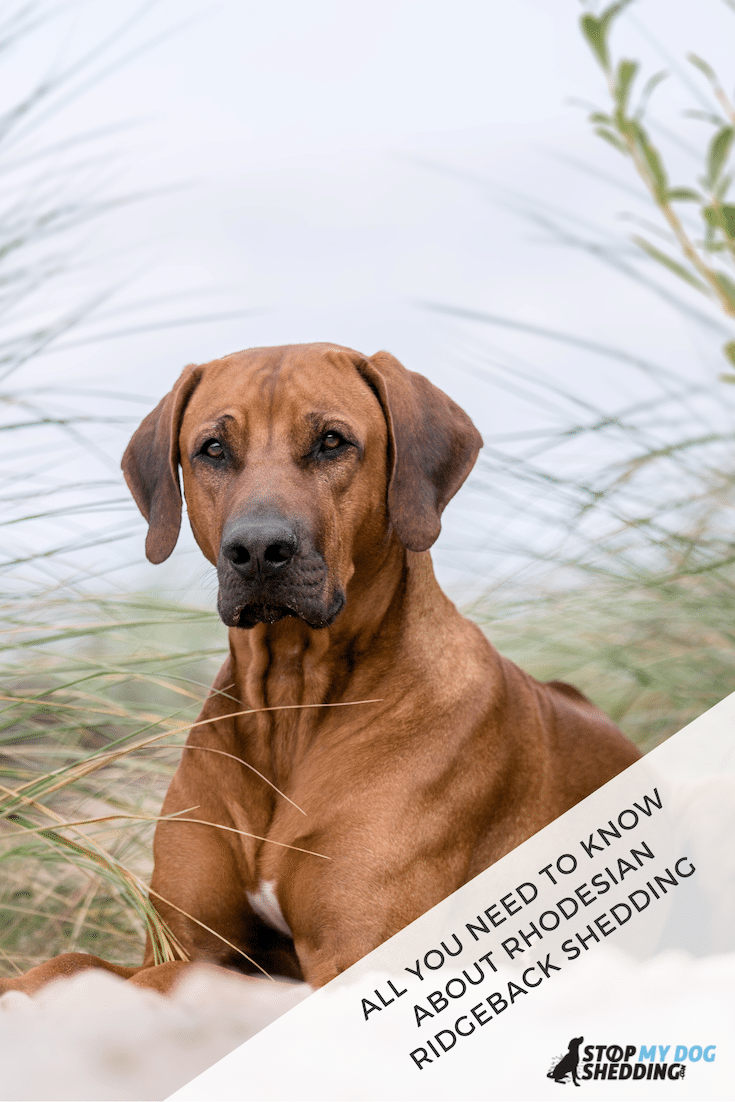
x=602 y=950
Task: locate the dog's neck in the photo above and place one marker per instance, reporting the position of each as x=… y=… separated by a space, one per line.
x=290 y=667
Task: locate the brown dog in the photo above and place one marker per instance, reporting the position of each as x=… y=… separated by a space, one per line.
x=365 y=751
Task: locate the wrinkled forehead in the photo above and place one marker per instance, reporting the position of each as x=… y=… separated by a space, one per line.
x=292 y=385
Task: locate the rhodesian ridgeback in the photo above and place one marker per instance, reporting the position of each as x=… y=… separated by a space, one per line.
x=364 y=750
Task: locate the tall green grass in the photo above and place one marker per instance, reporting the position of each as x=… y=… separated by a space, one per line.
x=628 y=585
x=96 y=689
x=629 y=591
x=621 y=578
x=97 y=698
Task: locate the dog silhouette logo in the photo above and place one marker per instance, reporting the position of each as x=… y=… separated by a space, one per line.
x=568 y=1064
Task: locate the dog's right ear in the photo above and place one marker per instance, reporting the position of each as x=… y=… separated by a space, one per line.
x=151 y=466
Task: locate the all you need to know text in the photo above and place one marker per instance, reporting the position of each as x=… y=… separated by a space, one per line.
x=611 y=861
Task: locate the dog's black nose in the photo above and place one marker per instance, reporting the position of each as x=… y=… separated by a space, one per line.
x=259 y=547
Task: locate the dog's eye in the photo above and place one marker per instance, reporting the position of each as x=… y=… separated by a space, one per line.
x=332 y=440
x=329 y=445
x=213 y=449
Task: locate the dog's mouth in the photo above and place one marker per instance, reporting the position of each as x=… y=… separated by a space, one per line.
x=261 y=612
x=254 y=614
x=301 y=588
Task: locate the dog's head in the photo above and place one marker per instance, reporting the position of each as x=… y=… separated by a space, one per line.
x=299 y=464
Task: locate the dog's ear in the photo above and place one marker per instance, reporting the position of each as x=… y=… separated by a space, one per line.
x=151 y=466
x=433 y=444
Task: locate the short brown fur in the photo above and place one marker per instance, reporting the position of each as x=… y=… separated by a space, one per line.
x=457 y=756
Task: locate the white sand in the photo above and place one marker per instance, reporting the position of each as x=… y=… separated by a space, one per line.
x=95 y=1037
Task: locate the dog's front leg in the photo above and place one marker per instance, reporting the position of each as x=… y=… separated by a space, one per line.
x=61 y=967
x=199 y=887
x=340 y=912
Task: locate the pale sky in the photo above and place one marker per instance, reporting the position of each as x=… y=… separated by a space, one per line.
x=326 y=166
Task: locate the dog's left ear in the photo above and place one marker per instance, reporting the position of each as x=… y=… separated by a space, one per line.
x=433 y=443
x=151 y=466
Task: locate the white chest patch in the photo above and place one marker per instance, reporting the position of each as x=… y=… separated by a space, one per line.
x=265 y=904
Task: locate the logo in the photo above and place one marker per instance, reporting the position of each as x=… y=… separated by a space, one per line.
x=567 y=1065
x=635 y=1062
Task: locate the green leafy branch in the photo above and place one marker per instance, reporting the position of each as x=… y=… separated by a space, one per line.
x=699 y=261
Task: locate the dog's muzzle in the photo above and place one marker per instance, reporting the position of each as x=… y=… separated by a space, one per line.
x=268 y=571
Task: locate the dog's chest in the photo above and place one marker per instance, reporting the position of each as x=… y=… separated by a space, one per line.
x=266 y=906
